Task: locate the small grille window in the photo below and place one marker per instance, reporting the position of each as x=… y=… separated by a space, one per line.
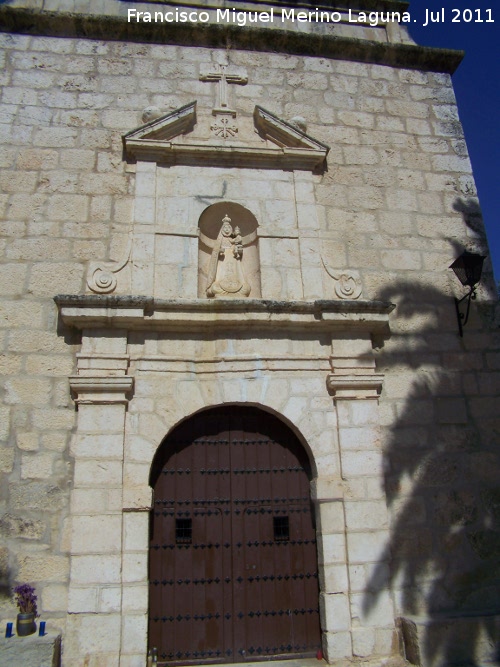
x=281 y=528
x=183 y=531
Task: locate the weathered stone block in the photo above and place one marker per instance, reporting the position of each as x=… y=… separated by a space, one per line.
x=37 y=466
x=134 y=633
x=135 y=598
x=34 y=391
x=54 y=598
x=337 y=645
x=12 y=277
x=93 y=473
x=96 y=534
x=335 y=612
x=101 y=418
x=81 y=600
x=331 y=517
x=32 y=651
x=110 y=599
x=332 y=549
x=366 y=515
x=363 y=642
x=135 y=527
x=366 y=547
x=95 y=634
x=357 y=463
x=359 y=438
x=95 y=569
x=98 y=446
x=26 y=528
x=43 y=567
x=373 y=609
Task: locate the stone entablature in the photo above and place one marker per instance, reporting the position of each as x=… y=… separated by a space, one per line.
x=140 y=312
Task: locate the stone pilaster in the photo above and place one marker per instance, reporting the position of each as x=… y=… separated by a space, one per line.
x=368 y=616
x=101 y=392
x=144 y=227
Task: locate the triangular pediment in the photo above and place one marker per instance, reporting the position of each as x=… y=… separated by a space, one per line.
x=166 y=127
x=171 y=139
x=283 y=134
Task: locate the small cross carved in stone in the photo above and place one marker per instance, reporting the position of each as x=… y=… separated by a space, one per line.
x=219 y=74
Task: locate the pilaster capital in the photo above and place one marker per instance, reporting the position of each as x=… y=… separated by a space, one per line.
x=355 y=386
x=98 y=390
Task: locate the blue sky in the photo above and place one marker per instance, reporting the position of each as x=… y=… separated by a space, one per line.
x=477 y=87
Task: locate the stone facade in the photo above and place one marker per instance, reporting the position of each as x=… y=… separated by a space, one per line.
x=342 y=159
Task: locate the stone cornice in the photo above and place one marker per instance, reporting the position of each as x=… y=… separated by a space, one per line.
x=140 y=312
x=91 y=26
x=226 y=156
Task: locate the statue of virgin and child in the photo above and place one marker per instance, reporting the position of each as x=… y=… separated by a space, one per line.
x=225 y=271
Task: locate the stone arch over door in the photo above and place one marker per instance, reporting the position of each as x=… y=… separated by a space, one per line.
x=233 y=568
x=210 y=224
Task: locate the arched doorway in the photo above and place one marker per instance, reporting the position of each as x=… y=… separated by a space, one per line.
x=233 y=563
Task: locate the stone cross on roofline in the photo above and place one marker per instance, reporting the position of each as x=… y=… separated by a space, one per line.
x=220 y=75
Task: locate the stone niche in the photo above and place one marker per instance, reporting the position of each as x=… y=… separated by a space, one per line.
x=210 y=223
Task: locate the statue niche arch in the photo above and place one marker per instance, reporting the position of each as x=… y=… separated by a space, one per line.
x=233 y=569
x=228 y=253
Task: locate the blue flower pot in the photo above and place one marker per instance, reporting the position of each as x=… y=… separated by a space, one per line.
x=25 y=624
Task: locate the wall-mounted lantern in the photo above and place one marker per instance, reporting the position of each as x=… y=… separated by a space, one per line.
x=467 y=268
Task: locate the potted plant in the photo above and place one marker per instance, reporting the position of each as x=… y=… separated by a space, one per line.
x=26 y=603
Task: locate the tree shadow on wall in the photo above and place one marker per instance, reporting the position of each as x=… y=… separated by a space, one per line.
x=442 y=472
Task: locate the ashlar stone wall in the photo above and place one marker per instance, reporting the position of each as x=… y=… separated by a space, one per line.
x=411 y=526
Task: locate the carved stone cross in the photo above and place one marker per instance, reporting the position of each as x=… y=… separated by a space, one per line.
x=223 y=78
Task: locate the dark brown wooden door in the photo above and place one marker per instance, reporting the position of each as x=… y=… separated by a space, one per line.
x=233 y=564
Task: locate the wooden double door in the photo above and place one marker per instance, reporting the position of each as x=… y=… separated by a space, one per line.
x=233 y=562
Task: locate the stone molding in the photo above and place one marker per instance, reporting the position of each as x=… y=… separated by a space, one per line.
x=139 y=313
x=95 y=364
x=92 y=390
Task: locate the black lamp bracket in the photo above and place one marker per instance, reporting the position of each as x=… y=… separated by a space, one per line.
x=463 y=317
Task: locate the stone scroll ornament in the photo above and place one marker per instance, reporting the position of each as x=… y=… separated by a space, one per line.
x=225 y=272
x=347 y=283
x=101 y=277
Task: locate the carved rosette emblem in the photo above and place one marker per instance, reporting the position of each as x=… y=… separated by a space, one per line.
x=101 y=276
x=347 y=286
x=347 y=282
